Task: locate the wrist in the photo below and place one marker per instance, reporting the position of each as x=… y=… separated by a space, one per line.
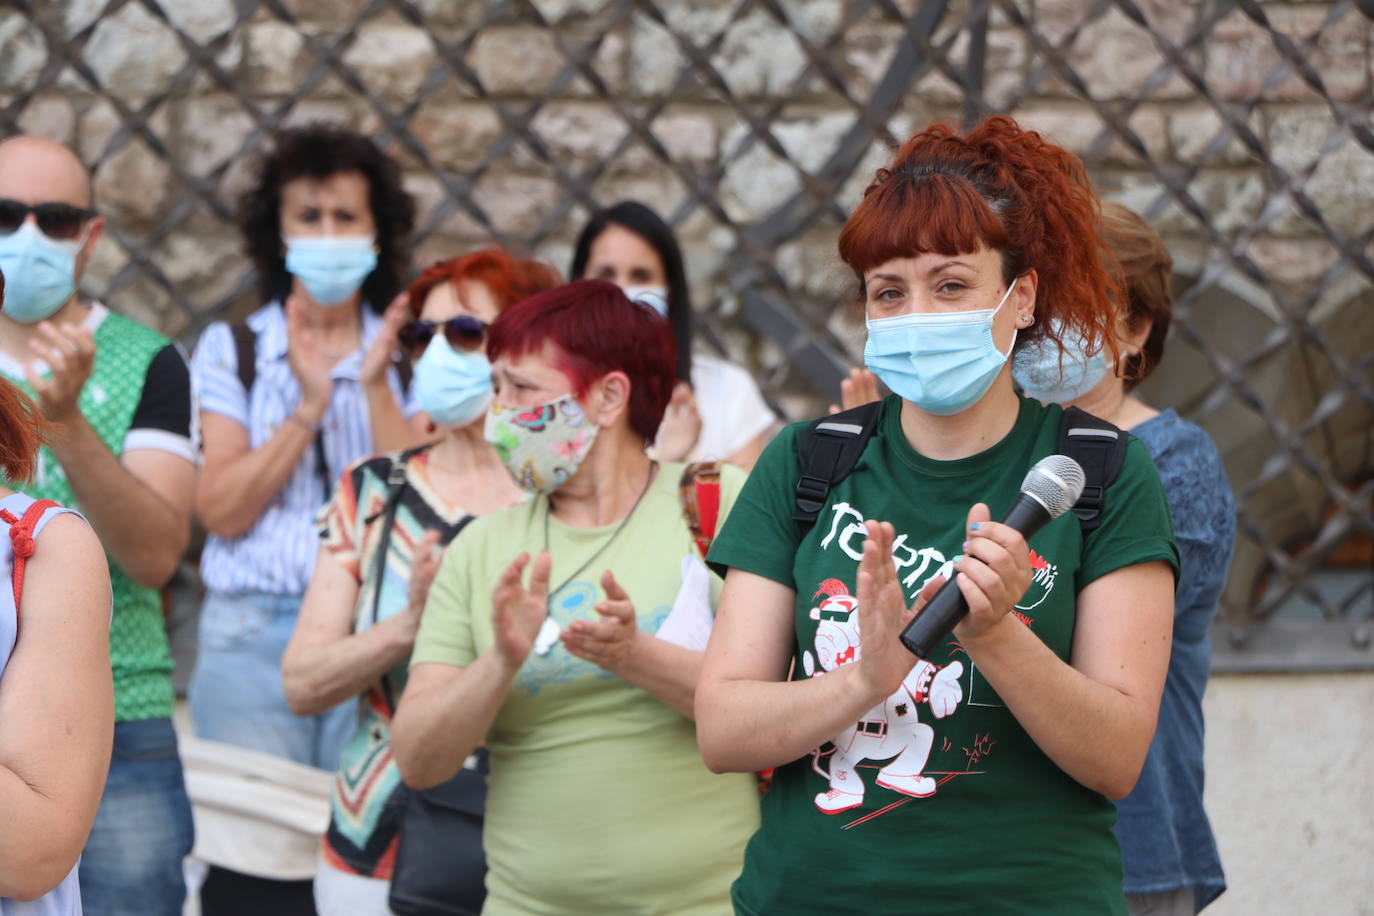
x=310 y=412
x=295 y=417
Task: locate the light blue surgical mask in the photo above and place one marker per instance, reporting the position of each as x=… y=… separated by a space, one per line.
x=1055 y=376
x=452 y=386
x=40 y=273
x=332 y=267
x=655 y=297
x=943 y=362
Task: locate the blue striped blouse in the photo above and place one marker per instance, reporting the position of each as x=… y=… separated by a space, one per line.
x=277 y=555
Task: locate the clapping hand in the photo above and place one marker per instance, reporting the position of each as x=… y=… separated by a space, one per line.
x=609 y=642
x=681 y=426
x=424 y=564
x=883 y=661
x=860 y=387
x=310 y=362
x=517 y=612
x=994 y=573
x=69 y=351
x=381 y=353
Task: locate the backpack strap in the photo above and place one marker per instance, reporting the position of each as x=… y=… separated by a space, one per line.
x=22 y=542
x=246 y=353
x=699 y=492
x=827 y=451
x=1100 y=449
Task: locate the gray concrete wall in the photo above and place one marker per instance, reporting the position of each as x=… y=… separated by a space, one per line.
x=1290 y=791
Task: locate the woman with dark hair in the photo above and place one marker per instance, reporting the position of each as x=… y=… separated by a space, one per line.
x=283 y=410
x=1168 y=852
x=717 y=413
x=56 y=692
x=580 y=682
x=358 y=620
x=990 y=764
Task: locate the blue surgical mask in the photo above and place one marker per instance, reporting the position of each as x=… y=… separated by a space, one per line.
x=1055 y=376
x=332 y=267
x=943 y=362
x=655 y=297
x=40 y=273
x=452 y=386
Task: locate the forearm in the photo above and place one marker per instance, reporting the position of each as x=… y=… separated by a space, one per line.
x=391 y=432
x=667 y=671
x=316 y=678
x=233 y=494
x=144 y=534
x=435 y=731
x=746 y=725
x=1092 y=731
x=39 y=839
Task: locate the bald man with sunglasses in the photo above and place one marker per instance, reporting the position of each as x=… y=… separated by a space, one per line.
x=122 y=451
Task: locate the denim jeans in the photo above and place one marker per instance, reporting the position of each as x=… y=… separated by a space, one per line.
x=131 y=865
x=236 y=691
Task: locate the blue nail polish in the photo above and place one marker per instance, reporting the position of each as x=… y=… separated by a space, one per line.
x=973 y=527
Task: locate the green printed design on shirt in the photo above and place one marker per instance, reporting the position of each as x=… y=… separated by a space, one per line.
x=139 y=653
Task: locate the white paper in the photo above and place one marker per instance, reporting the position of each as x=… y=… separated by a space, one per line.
x=547 y=637
x=688 y=624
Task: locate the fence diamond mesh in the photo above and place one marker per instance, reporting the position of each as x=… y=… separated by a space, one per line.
x=1239 y=128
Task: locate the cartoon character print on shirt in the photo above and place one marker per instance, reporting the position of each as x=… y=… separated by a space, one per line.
x=890 y=731
x=574 y=601
x=892 y=734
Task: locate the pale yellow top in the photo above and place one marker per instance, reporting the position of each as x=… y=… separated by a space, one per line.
x=599 y=802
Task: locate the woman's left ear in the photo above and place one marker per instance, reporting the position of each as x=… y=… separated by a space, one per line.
x=613 y=398
x=1026 y=286
x=1137 y=334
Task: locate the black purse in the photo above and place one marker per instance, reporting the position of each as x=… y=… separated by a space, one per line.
x=440 y=869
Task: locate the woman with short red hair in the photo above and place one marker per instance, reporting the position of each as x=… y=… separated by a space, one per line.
x=566 y=632
x=977 y=779
x=380 y=537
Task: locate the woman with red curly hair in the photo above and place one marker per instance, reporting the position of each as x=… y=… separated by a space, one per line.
x=987 y=768
x=56 y=694
x=381 y=535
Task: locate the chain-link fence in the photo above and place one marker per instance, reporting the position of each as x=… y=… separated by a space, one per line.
x=1240 y=128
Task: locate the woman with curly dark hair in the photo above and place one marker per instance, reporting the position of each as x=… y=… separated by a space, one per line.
x=288 y=399
x=977 y=778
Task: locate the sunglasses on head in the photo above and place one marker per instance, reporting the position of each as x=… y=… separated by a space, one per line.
x=55 y=220
x=462 y=333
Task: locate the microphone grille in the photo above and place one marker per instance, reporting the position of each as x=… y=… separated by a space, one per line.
x=1056 y=481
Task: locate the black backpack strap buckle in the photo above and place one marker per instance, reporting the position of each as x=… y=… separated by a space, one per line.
x=827 y=451
x=1100 y=449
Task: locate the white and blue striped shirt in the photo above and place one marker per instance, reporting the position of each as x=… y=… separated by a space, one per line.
x=277 y=555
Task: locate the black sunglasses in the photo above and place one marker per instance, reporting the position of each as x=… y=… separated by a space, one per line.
x=56 y=220
x=462 y=333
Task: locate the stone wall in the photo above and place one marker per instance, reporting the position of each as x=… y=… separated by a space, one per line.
x=512 y=119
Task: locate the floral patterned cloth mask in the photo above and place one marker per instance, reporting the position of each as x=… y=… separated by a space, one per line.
x=541 y=446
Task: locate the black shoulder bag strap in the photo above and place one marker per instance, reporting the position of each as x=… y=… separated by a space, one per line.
x=827 y=451
x=1100 y=449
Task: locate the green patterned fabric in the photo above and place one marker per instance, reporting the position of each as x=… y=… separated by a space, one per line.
x=139 y=652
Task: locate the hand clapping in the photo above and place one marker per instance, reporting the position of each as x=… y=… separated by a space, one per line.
x=69 y=351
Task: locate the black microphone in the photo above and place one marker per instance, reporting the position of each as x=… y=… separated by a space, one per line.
x=1050 y=489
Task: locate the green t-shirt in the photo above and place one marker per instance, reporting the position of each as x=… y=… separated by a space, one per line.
x=598 y=801
x=906 y=812
x=140 y=658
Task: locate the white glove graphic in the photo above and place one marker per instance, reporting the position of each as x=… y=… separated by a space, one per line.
x=945 y=693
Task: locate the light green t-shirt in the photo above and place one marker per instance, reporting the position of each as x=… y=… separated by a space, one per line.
x=598 y=801
x=935 y=801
